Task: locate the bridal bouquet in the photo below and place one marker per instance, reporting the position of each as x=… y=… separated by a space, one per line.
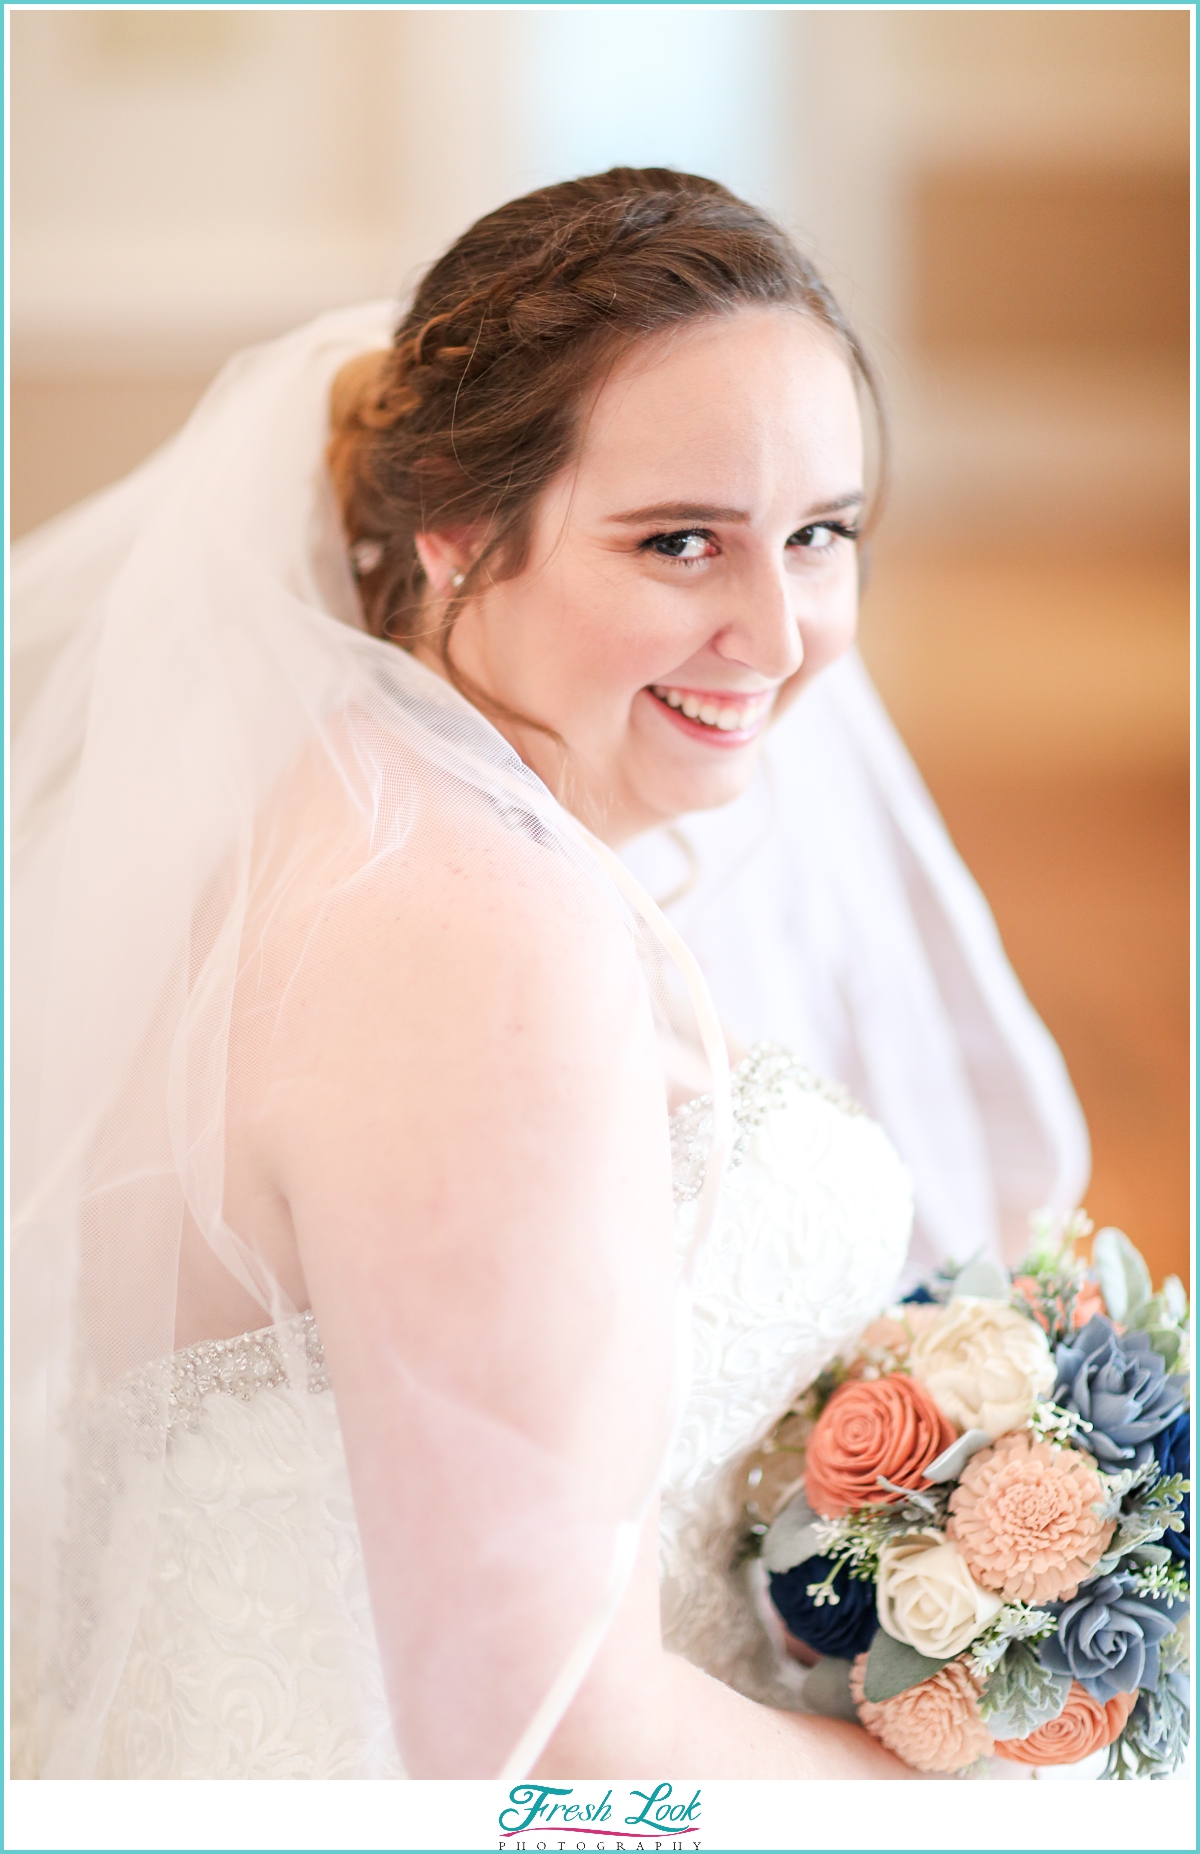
x=992 y=1533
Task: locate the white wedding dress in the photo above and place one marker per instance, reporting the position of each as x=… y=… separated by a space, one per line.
x=254 y=1653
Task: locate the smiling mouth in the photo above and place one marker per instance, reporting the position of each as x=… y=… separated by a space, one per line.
x=721 y=714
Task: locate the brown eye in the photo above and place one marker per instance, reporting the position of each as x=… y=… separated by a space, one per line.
x=688 y=544
x=820 y=536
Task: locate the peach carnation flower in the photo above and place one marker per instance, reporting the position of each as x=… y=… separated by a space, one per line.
x=1022 y=1517
x=887 y=1426
x=1084 y=1725
x=934 y=1727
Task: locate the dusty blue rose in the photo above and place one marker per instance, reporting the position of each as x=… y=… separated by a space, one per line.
x=1174 y=1451
x=844 y=1628
x=1117 y=1382
x=1107 y=1637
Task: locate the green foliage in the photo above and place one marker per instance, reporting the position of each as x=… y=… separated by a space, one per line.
x=854 y=1542
x=1163 y=1318
x=822 y=1388
x=1175 y=1649
x=1016 y=1622
x=1052 y=1242
x=893 y=1667
x=1122 y=1273
x=1020 y=1694
x=1149 y=1511
x=1164 y=1576
x=1053 y=1273
x=1129 y=1298
x=1155 y=1736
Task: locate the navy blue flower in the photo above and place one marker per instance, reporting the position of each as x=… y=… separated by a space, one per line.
x=920 y=1297
x=844 y=1628
x=1174 y=1450
x=1117 y=1382
x=1107 y=1637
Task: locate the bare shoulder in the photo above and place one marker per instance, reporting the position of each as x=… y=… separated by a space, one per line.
x=469 y=987
x=436 y=937
x=466 y=1118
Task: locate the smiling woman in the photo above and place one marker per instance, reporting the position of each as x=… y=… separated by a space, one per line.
x=661 y=654
x=389 y=1351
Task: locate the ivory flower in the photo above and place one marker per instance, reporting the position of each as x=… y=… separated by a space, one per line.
x=1023 y=1517
x=935 y=1726
x=927 y=1597
x=1084 y=1725
x=984 y=1364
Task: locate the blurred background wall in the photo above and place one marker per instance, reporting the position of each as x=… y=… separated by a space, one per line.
x=1001 y=198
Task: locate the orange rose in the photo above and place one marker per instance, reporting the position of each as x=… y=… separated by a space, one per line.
x=1084 y=1725
x=889 y=1426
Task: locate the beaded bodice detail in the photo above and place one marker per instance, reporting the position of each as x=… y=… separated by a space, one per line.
x=254 y=1652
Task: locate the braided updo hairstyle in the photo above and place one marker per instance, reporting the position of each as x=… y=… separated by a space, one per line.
x=475 y=407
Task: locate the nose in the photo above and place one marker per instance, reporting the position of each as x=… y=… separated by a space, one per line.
x=763 y=632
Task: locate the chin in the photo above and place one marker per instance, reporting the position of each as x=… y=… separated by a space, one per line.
x=675 y=797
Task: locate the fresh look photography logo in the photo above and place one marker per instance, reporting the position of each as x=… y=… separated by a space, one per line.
x=560 y=1816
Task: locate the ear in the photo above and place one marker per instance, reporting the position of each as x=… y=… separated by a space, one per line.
x=444 y=556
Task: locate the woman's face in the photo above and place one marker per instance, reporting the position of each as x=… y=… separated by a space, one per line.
x=693 y=565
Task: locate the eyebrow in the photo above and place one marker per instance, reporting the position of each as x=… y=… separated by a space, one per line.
x=707 y=512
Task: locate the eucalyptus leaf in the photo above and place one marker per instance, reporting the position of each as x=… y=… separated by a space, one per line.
x=827 y=1690
x=1151 y=1312
x=1151 y=1554
x=951 y=1462
x=1175 y=1295
x=1168 y=1344
x=791 y=1538
x=893 y=1667
x=983 y=1279
x=1124 y=1278
x=1021 y=1694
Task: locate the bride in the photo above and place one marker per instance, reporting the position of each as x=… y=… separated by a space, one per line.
x=400 y=1278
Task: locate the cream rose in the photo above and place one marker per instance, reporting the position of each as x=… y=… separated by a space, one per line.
x=984 y=1364
x=926 y=1596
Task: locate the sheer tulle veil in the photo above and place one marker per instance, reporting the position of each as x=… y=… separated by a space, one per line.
x=190 y=679
x=828 y=908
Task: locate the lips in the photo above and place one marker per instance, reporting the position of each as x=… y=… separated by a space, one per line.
x=715 y=712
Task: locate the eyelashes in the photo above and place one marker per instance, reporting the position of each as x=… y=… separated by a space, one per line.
x=845 y=530
x=671 y=546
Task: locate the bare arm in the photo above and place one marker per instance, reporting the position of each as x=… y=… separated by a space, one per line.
x=644 y=1712
x=471 y=1143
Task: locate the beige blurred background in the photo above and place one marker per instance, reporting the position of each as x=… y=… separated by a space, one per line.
x=1001 y=198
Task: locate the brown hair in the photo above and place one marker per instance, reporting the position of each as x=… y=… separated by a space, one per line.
x=474 y=409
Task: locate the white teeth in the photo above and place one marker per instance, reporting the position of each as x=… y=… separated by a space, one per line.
x=710 y=714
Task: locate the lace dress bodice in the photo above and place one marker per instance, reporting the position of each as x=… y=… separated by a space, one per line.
x=254 y=1653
